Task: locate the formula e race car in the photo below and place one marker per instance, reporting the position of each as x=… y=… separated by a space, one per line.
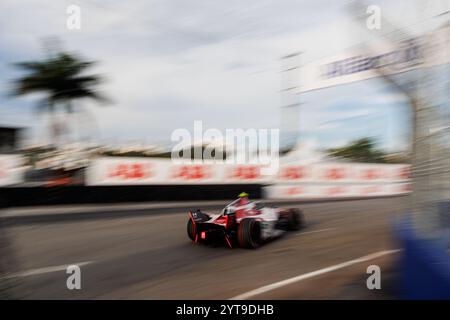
x=242 y=222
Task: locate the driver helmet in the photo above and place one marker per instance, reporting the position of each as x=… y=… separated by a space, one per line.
x=243 y=198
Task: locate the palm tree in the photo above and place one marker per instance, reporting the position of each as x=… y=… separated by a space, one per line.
x=62 y=78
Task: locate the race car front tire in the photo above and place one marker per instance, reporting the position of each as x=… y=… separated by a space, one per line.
x=249 y=233
x=191 y=230
x=295 y=219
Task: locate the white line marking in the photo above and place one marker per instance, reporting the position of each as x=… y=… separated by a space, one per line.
x=314 y=231
x=308 y=275
x=33 y=272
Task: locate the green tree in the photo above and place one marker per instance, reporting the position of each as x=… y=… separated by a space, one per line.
x=63 y=79
x=362 y=150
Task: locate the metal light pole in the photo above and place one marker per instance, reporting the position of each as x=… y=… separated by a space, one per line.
x=290 y=104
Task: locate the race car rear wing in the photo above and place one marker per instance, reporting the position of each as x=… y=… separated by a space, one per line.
x=198 y=216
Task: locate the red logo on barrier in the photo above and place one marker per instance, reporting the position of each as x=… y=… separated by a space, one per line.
x=3 y=170
x=335 y=191
x=404 y=173
x=192 y=172
x=406 y=188
x=293 y=173
x=371 y=174
x=335 y=174
x=295 y=191
x=129 y=171
x=371 y=189
x=245 y=173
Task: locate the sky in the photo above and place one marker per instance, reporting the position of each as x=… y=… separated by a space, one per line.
x=167 y=63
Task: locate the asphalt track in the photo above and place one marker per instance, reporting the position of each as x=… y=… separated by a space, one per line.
x=150 y=257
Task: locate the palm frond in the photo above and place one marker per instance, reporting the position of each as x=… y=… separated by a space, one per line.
x=61 y=77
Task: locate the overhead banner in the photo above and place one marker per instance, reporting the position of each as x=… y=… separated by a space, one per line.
x=357 y=64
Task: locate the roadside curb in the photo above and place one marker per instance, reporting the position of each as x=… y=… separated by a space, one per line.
x=63 y=213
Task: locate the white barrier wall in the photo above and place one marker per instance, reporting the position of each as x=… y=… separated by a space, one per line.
x=334 y=191
x=342 y=173
x=135 y=171
x=11 y=169
x=293 y=181
x=339 y=180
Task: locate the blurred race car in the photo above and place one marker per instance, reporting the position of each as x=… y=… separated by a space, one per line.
x=244 y=223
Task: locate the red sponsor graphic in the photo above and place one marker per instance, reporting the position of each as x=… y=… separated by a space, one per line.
x=404 y=173
x=59 y=182
x=335 y=174
x=245 y=173
x=293 y=173
x=405 y=188
x=3 y=170
x=292 y=191
x=333 y=191
x=371 y=174
x=130 y=171
x=370 y=189
x=192 y=172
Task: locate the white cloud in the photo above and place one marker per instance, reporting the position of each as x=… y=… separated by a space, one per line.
x=169 y=63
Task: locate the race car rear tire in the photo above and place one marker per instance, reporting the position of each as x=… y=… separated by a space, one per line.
x=191 y=230
x=249 y=233
x=295 y=219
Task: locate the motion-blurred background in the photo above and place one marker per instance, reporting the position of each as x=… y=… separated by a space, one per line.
x=91 y=92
